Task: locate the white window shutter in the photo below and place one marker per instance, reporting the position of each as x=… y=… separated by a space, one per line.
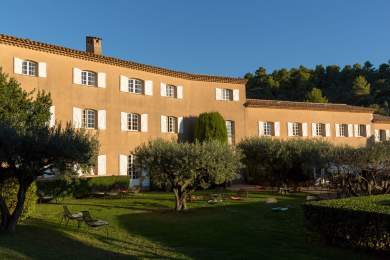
x=218 y=94
x=123 y=164
x=163 y=89
x=277 y=128
x=124 y=84
x=180 y=92
x=144 y=122
x=102 y=119
x=18 y=64
x=377 y=137
x=124 y=122
x=101 y=80
x=289 y=129
x=164 y=124
x=76 y=76
x=356 y=130
x=77 y=117
x=42 y=70
x=328 y=132
x=102 y=165
x=368 y=130
x=261 y=128
x=180 y=125
x=350 y=130
x=236 y=94
x=148 y=87
x=313 y=129
x=387 y=135
x=337 y=129
x=52 y=121
x=304 y=129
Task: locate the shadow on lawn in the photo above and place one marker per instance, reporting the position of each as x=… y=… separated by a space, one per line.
x=40 y=242
x=244 y=230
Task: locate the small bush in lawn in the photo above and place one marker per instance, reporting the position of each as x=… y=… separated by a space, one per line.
x=9 y=191
x=359 y=222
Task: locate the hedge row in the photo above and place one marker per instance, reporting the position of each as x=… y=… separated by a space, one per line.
x=82 y=187
x=359 y=222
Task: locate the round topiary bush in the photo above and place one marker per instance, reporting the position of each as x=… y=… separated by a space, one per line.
x=9 y=191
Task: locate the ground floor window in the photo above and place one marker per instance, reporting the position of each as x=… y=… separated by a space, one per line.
x=268 y=129
x=132 y=169
x=230 y=131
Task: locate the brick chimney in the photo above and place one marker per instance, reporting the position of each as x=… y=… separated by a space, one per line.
x=94 y=45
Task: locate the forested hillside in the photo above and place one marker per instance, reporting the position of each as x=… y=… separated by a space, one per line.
x=356 y=84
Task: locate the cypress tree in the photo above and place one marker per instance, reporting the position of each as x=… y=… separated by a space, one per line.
x=210 y=126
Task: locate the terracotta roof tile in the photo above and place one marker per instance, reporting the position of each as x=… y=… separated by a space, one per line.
x=39 y=46
x=306 y=106
x=380 y=119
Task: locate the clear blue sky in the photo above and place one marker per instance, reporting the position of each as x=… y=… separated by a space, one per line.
x=219 y=37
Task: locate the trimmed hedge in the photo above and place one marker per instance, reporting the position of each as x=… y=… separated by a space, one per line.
x=359 y=222
x=82 y=187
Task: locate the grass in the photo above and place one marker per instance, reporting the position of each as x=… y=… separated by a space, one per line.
x=144 y=226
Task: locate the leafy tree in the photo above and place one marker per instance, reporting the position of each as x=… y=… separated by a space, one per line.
x=29 y=148
x=210 y=126
x=315 y=96
x=185 y=167
x=360 y=86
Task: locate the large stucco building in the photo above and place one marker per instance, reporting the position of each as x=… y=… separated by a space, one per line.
x=128 y=103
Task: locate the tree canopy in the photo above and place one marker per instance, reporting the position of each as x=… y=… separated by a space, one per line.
x=357 y=84
x=29 y=147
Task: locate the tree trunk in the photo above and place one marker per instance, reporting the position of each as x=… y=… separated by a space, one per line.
x=181 y=203
x=13 y=220
x=5 y=215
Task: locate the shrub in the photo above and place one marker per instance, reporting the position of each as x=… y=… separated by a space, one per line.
x=210 y=127
x=57 y=188
x=359 y=222
x=82 y=187
x=277 y=162
x=9 y=191
x=184 y=167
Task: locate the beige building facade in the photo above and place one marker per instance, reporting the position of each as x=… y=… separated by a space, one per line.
x=128 y=103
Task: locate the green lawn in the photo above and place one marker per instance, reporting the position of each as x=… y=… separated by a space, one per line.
x=143 y=226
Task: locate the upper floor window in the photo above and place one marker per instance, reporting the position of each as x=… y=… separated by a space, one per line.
x=134 y=122
x=296 y=129
x=362 y=130
x=343 y=128
x=170 y=91
x=29 y=68
x=230 y=131
x=227 y=94
x=132 y=169
x=136 y=86
x=268 y=128
x=320 y=129
x=88 y=78
x=172 y=124
x=89 y=118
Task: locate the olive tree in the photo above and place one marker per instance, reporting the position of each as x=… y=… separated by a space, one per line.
x=185 y=167
x=29 y=147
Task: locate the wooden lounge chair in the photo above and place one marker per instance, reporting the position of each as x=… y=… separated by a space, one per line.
x=67 y=215
x=94 y=223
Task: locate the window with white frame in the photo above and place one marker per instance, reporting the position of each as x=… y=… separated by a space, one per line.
x=29 y=68
x=343 y=129
x=134 y=122
x=136 y=86
x=296 y=129
x=230 y=131
x=320 y=129
x=268 y=128
x=362 y=130
x=89 y=118
x=227 y=94
x=170 y=91
x=172 y=124
x=382 y=135
x=88 y=78
x=132 y=170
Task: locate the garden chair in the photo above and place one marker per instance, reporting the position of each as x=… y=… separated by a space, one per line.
x=94 y=223
x=67 y=215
